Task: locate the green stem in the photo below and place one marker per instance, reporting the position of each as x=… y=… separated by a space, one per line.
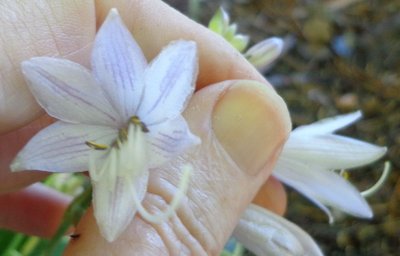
x=71 y=217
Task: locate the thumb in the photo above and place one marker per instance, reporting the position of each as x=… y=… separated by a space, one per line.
x=242 y=125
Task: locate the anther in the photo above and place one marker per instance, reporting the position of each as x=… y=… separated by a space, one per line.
x=96 y=146
x=136 y=121
x=123 y=135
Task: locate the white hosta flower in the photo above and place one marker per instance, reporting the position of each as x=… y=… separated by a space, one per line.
x=311 y=154
x=265 y=233
x=118 y=121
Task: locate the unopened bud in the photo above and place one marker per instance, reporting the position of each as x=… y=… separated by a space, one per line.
x=264 y=53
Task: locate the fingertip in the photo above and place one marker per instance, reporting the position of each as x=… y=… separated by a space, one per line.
x=272 y=196
x=251 y=122
x=25 y=210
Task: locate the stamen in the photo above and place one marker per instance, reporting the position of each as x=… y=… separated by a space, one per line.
x=182 y=188
x=136 y=120
x=96 y=146
x=123 y=135
x=378 y=185
x=344 y=174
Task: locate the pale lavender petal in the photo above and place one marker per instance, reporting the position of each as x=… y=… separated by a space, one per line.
x=265 y=233
x=115 y=209
x=67 y=91
x=61 y=148
x=118 y=64
x=323 y=186
x=331 y=151
x=169 y=139
x=123 y=182
x=328 y=125
x=170 y=82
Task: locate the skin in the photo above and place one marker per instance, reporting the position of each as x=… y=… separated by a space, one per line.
x=238 y=150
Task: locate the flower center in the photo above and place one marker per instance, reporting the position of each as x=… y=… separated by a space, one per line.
x=124 y=162
x=122 y=135
x=125 y=155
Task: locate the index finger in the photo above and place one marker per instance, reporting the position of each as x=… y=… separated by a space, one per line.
x=154 y=24
x=67 y=30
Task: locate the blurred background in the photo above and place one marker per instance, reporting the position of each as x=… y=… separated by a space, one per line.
x=340 y=56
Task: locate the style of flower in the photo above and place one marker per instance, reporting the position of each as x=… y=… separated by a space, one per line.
x=118 y=121
x=311 y=155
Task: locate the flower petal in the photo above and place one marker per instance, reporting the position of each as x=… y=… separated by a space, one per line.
x=322 y=186
x=170 y=81
x=265 y=233
x=328 y=125
x=61 y=148
x=118 y=64
x=67 y=91
x=169 y=139
x=115 y=209
x=125 y=177
x=331 y=151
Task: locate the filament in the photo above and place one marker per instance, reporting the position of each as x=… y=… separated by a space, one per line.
x=178 y=196
x=385 y=174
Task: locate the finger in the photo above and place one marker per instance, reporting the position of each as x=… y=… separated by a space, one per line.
x=66 y=29
x=36 y=210
x=272 y=196
x=35 y=28
x=242 y=126
x=154 y=24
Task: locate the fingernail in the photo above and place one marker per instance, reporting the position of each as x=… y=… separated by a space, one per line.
x=251 y=122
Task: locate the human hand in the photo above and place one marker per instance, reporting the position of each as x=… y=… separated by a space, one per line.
x=214 y=203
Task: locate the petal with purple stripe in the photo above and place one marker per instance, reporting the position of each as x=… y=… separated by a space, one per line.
x=113 y=196
x=170 y=81
x=67 y=91
x=118 y=65
x=61 y=148
x=169 y=139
